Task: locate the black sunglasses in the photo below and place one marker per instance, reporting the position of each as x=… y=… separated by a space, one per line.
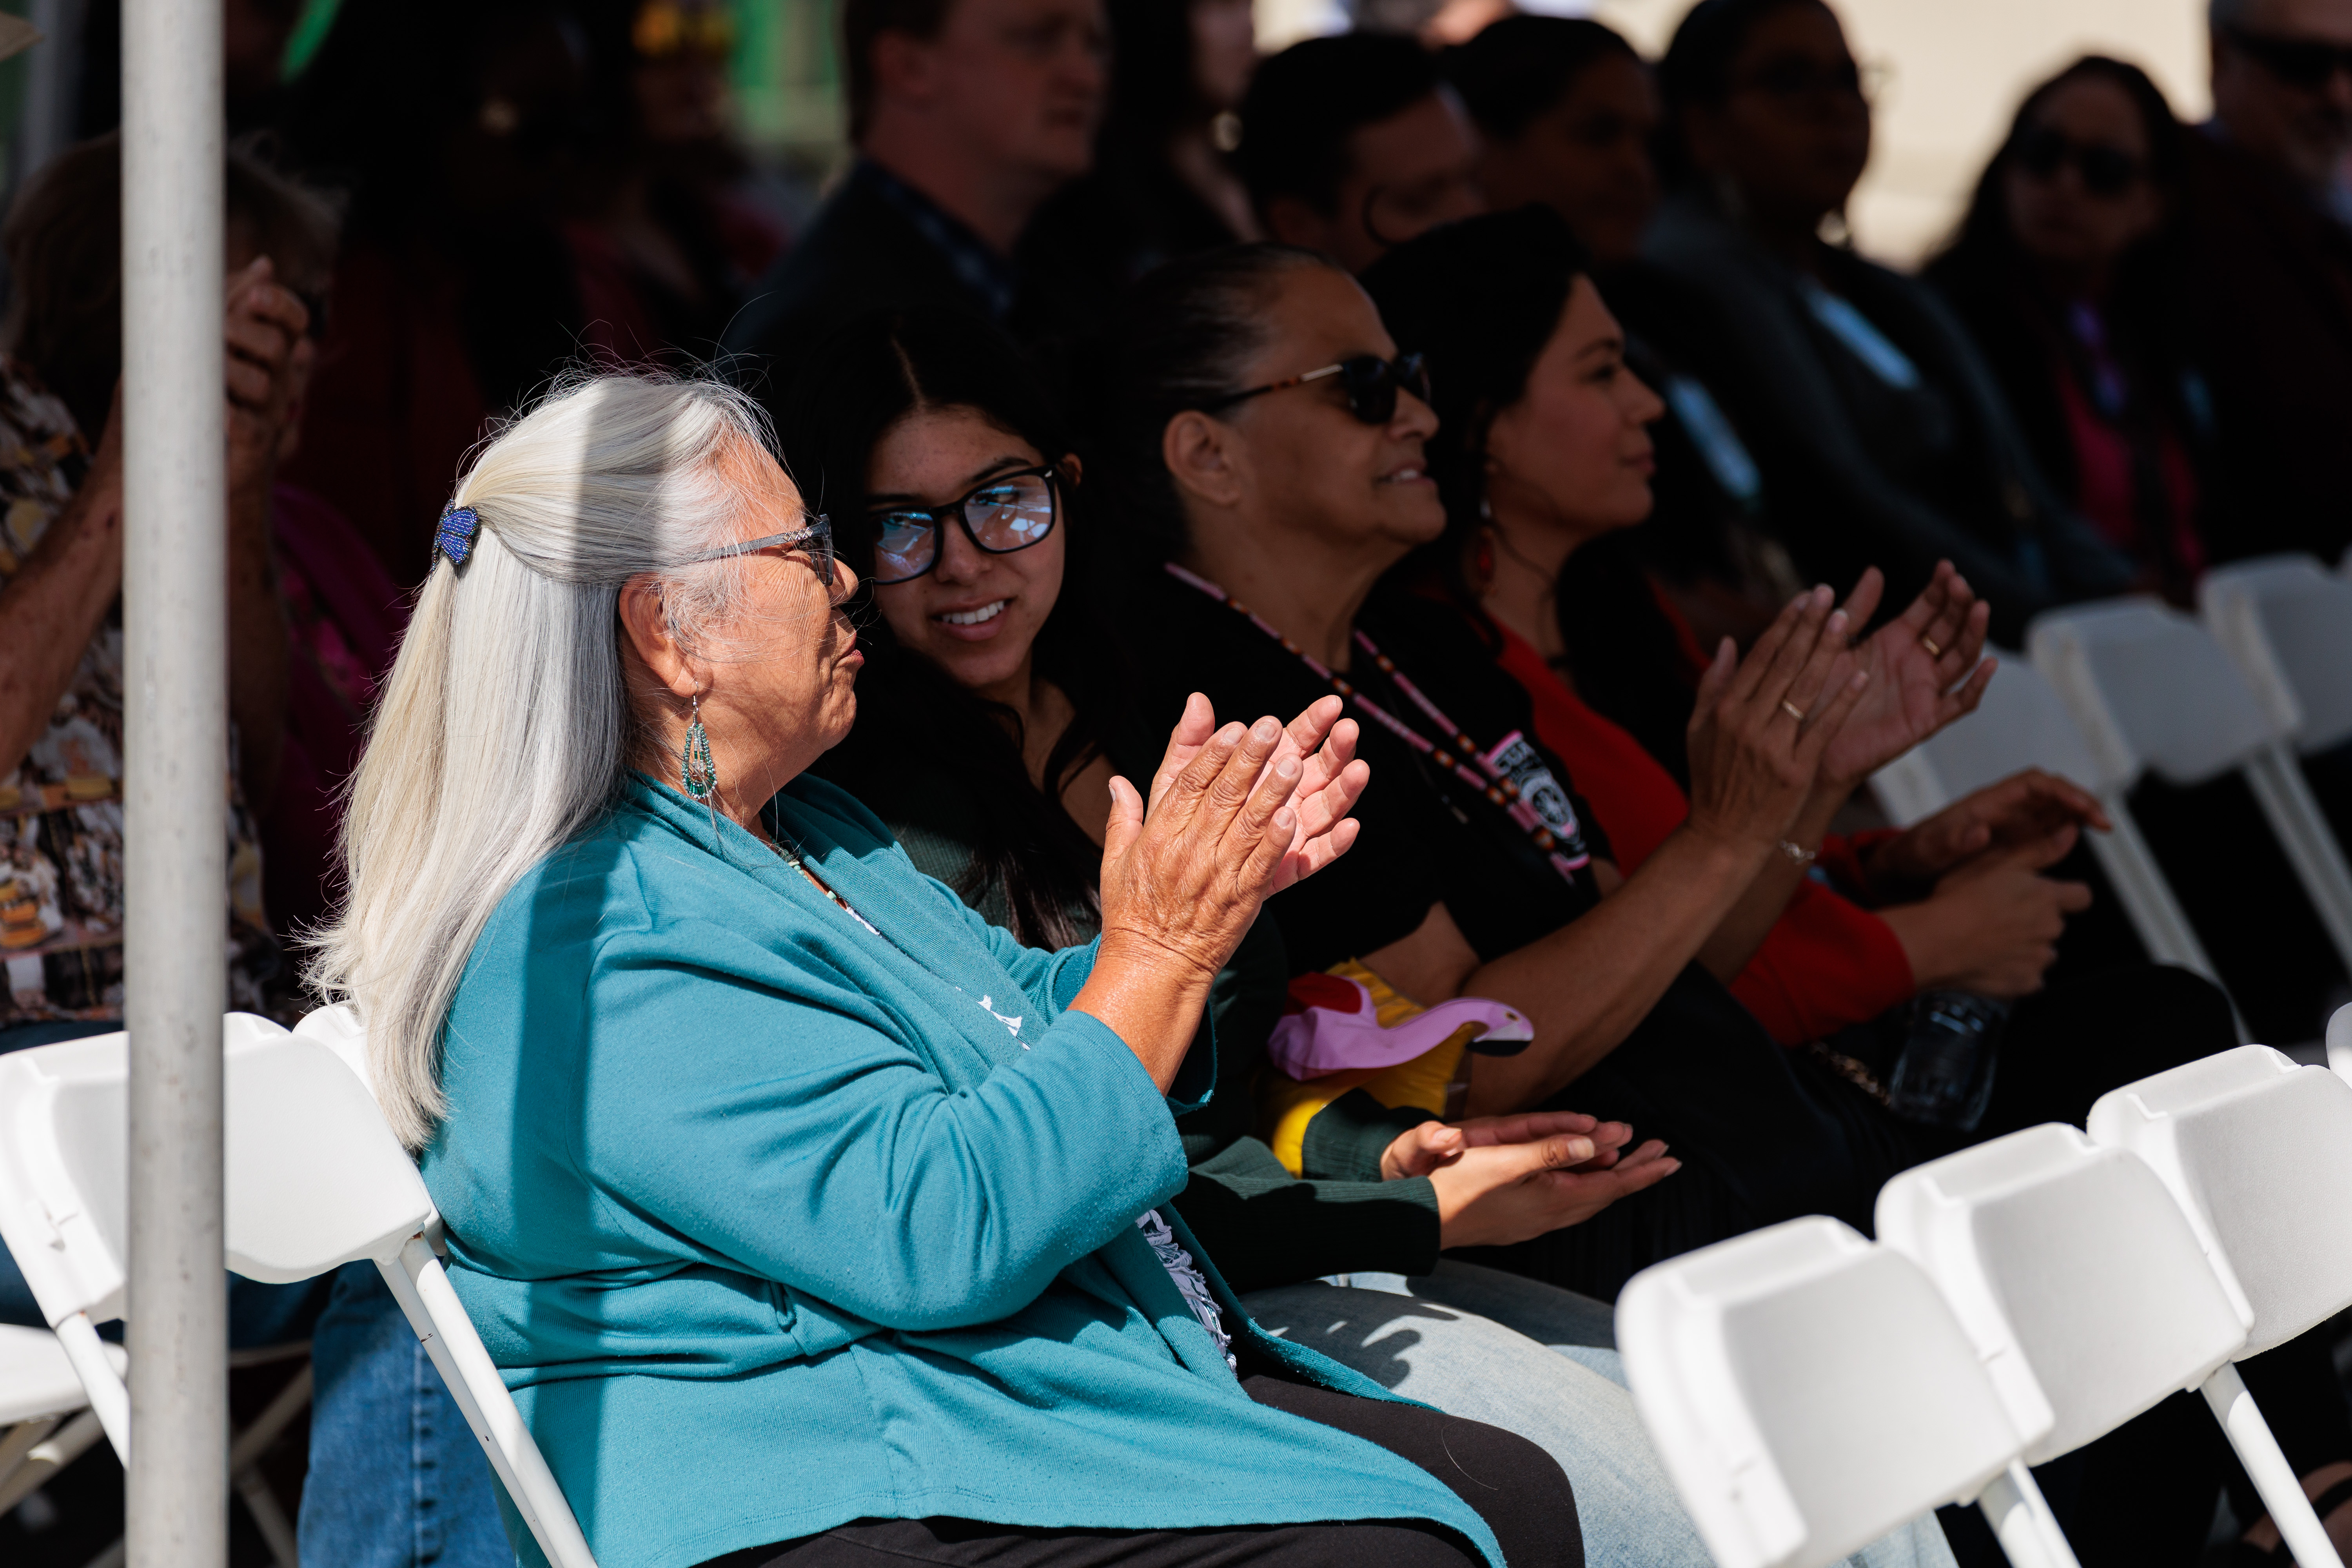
x=2306 y=63
x=1370 y=383
x=1009 y=513
x=2105 y=170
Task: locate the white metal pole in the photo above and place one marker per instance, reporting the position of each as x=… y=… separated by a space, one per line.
x=175 y=777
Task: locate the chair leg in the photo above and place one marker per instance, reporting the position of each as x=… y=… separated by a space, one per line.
x=2302 y=830
x=18 y=1441
x=49 y=1456
x=245 y=1470
x=2273 y=1476
x=2021 y=1521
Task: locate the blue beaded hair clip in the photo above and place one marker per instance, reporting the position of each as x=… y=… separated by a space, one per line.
x=454 y=535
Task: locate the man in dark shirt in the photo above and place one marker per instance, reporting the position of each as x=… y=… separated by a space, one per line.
x=2271 y=255
x=966 y=115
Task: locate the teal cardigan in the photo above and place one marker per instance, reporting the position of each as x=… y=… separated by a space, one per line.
x=774 y=1223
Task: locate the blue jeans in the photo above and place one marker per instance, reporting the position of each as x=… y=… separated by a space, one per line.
x=397 y=1479
x=1540 y=1362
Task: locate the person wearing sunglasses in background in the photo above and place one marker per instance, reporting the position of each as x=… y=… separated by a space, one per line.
x=2270 y=244
x=1870 y=416
x=2067 y=272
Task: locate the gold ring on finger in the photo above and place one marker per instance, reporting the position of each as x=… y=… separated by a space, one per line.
x=1792 y=711
x=1929 y=643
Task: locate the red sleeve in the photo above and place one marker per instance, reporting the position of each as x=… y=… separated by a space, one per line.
x=1827 y=963
x=1841 y=855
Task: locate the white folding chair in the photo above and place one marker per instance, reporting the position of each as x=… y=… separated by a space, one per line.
x=2024 y=723
x=45 y=1422
x=1809 y=1392
x=315 y=1180
x=2086 y=1294
x=2151 y=688
x=2257 y=1153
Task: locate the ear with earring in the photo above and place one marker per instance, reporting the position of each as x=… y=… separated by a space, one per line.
x=697 y=774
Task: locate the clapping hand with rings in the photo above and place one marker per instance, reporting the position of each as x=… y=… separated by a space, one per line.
x=1925 y=670
x=1762 y=725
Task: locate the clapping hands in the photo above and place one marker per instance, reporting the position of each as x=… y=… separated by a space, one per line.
x=1502 y=1179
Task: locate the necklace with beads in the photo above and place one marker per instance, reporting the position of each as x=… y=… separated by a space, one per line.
x=1511 y=774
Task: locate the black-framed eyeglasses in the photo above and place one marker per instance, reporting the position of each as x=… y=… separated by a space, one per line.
x=1370 y=383
x=2105 y=171
x=2307 y=63
x=1000 y=515
x=814 y=539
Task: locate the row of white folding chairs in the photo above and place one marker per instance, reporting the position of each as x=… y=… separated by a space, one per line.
x=2108 y=692
x=1808 y=1390
x=315 y=1180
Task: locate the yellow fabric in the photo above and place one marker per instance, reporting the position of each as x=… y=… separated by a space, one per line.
x=1286 y=1106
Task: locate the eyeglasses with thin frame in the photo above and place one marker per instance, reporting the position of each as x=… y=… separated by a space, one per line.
x=1370 y=383
x=2306 y=63
x=814 y=539
x=1001 y=515
x=2105 y=171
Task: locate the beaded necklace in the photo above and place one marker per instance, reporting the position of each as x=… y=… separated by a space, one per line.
x=1515 y=776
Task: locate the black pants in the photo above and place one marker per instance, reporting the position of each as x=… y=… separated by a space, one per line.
x=1513 y=1485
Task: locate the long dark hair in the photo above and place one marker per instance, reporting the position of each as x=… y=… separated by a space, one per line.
x=1480 y=298
x=914 y=723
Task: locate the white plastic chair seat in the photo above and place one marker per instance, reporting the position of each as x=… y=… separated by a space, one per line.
x=1808 y=1392
x=2257 y=1152
x=2075 y=1274
x=35 y=1378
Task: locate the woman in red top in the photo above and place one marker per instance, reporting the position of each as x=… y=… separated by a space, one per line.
x=1543 y=449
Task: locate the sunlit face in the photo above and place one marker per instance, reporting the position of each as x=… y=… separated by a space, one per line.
x=1574 y=450
x=1406 y=174
x=2057 y=216
x=1587 y=158
x=783 y=668
x=1023 y=80
x=1792 y=133
x=1306 y=464
x=976 y=614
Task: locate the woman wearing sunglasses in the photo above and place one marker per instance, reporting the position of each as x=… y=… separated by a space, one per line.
x=2066 y=273
x=985 y=722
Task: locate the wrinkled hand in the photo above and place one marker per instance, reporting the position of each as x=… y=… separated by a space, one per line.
x=266 y=330
x=1912 y=692
x=1330 y=779
x=1501 y=1179
x=1227 y=827
x=1752 y=760
x=2022 y=810
x=1992 y=926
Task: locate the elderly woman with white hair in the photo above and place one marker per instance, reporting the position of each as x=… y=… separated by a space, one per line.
x=813 y=1221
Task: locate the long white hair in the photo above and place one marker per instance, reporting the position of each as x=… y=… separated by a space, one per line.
x=504 y=727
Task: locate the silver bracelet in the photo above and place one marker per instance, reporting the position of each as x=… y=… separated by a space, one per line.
x=1802 y=857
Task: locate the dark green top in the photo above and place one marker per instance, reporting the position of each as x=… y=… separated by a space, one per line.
x=1262 y=1225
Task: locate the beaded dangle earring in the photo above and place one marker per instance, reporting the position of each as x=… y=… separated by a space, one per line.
x=696 y=772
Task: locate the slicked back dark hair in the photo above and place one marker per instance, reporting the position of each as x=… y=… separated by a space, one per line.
x=850 y=392
x=1520 y=66
x=863 y=22
x=1306 y=103
x=1181 y=338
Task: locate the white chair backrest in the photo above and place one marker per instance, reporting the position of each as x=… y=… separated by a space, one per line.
x=64 y=1133
x=2149 y=689
x=338 y=1029
x=2257 y=1152
x=2285 y=621
x=1808 y=1392
x=315 y=1177
x=2022 y=723
x=2074 y=1272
